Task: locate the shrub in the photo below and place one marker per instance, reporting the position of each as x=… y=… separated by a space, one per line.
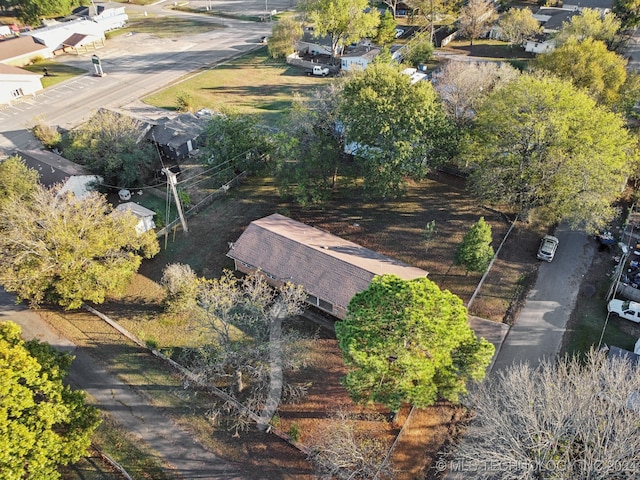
x=48 y=135
x=184 y=102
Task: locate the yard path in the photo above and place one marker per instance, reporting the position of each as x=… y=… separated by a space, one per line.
x=173 y=445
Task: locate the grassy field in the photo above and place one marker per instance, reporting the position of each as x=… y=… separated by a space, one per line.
x=57 y=72
x=253 y=84
x=165 y=27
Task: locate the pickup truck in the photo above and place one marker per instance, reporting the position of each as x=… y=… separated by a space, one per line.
x=318 y=71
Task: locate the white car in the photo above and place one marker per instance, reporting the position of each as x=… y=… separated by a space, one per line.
x=636 y=348
x=399 y=32
x=548 y=247
x=625 y=309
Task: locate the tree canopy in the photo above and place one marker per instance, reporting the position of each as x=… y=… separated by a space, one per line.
x=476 y=17
x=386 y=32
x=43 y=424
x=309 y=154
x=58 y=248
x=409 y=342
x=17 y=181
x=539 y=143
x=518 y=24
x=463 y=86
x=398 y=129
x=30 y=12
x=565 y=419
x=475 y=251
x=284 y=35
x=589 y=65
x=590 y=24
x=345 y=21
x=628 y=11
x=110 y=145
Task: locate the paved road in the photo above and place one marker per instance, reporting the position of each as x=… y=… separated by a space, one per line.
x=172 y=444
x=135 y=65
x=540 y=327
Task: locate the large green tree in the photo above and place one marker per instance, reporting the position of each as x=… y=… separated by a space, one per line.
x=517 y=24
x=399 y=129
x=590 y=24
x=284 y=36
x=31 y=12
x=17 y=181
x=539 y=143
x=110 y=145
x=234 y=141
x=43 y=423
x=345 y=21
x=407 y=341
x=58 y=248
x=589 y=65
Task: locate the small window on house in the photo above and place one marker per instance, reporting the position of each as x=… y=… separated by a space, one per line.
x=312 y=300
x=17 y=93
x=325 y=305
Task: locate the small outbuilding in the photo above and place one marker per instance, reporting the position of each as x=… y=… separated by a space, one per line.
x=144 y=215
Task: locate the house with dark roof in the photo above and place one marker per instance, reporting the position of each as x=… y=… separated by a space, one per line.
x=176 y=137
x=19 y=51
x=603 y=6
x=109 y=17
x=54 y=169
x=330 y=269
x=16 y=83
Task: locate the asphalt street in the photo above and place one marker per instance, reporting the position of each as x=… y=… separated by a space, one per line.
x=135 y=65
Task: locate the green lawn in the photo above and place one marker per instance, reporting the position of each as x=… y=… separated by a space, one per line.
x=58 y=72
x=253 y=84
x=165 y=27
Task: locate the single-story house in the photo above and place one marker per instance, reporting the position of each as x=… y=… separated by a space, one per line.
x=108 y=17
x=178 y=136
x=552 y=18
x=330 y=269
x=311 y=45
x=603 y=6
x=16 y=82
x=358 y=58
x=80 y=32
x=539 y=44
x=19 y=51
x=144 y=215
x=57 y=170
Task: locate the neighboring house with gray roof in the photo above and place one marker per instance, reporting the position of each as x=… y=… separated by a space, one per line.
x=330 y=269
x=358 y=58
x=604 y=6
x=177 y=137
x=57 y=170
x=16 y=83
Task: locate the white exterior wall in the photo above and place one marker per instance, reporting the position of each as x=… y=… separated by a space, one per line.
x=353 y=63
x=13 y=87
x=532 y=46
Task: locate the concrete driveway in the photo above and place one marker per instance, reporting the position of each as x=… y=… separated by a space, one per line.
x=540 y=327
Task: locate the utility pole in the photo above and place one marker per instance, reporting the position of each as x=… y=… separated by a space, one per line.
x=171 y=178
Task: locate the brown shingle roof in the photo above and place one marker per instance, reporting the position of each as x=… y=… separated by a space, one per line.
x=19 y=46
x=327 y=266
x=11 y=70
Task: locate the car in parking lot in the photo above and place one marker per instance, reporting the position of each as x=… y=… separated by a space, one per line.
x=548 y=247
x=625 y=309
x=399 y=32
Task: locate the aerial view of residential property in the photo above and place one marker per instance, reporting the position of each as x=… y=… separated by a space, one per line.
x=319 y=239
